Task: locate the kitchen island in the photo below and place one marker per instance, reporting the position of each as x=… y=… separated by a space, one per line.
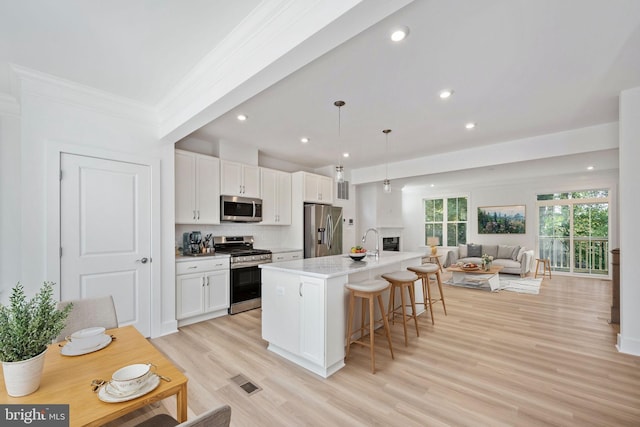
x=304 y=305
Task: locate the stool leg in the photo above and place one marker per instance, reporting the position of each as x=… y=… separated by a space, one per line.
x=352 y=304
x=426 y=291
x=439 y=280
x=535 y=276
x=372 y=308
x=387 y=330
x=412 y=298
x=547 y=264
x=363 y=307
x=391 y=310
x=404 y=316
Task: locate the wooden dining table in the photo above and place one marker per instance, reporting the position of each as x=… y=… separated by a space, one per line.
x=67 y=379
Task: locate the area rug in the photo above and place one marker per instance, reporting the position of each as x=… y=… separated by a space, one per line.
x=527 y=285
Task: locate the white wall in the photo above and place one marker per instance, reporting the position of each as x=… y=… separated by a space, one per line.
x=629 y=337
x=10 y=196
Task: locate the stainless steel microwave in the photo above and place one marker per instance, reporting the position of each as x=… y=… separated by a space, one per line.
x=240 y=209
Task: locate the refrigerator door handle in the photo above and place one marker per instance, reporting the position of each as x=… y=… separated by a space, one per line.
x=329 y=231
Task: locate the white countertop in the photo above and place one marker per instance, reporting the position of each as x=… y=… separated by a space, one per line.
x=339 y=265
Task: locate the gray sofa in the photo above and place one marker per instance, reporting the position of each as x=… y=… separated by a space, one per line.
x=513 y=259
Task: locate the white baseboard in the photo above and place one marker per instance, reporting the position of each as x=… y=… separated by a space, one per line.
x=628 y=345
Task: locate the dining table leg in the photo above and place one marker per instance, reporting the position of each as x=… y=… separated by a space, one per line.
x=181 y=399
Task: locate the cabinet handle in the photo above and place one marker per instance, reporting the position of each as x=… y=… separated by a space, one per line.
x=198 y=214
x=193 y=267
x=202 y=281
x=300 y=289
x=194 y=214
x=207 y=279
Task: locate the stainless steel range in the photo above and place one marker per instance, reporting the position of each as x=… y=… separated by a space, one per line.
x=246 y=277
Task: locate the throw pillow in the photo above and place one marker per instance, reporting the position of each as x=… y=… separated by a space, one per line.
x=520 y=254
x=462 y=251
x=505 y=252
x=491 y=250
x=474 y=251
x=516 y=250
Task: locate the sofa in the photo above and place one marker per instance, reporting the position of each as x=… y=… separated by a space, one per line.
x=513 y=259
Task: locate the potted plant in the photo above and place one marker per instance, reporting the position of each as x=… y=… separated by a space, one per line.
x=27 y=327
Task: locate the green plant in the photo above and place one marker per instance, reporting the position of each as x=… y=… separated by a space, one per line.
x=27 y=327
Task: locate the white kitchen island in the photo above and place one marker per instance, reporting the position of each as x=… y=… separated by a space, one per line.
x=304 y=305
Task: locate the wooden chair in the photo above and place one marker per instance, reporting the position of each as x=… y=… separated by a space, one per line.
x=368 y=290
x=89 y=312
x=402 y=280
x=218 y=417
x=425 y=272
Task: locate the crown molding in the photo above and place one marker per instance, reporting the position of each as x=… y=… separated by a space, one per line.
x=271 y=30
x=9 y=105
x=68 y=92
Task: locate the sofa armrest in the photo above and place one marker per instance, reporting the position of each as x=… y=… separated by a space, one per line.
x=452 y=257
x=526 y=263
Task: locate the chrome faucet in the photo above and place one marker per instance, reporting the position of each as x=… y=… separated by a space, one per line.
x=364 y=239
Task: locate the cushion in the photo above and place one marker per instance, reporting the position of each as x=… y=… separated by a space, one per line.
x=505 y=251
x=520 y=254
x=514 y=255
x=474 y=250
x=462 y=251
x=491 y=250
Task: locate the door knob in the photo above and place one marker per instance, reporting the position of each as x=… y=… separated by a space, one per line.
x=143 y=260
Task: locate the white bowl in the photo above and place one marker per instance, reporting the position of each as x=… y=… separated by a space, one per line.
x=87 y=338
x=357 y=256
x=130 y=378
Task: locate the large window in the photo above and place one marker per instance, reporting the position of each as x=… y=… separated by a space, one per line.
x=573 y=231
x=446 y=219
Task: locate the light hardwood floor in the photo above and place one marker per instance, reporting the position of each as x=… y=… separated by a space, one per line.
x=497 y=359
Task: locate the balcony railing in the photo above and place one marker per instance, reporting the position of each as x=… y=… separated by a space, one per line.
x=591 y=255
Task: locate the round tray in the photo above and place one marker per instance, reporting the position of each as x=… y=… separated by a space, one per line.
x=470 y=268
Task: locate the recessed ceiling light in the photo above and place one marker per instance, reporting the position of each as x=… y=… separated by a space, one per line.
x=590 y=168
x=242 y=117
x=470 y=125
x=446 y=93
x=432 y=185
x=400 y=33
x=345 y=154
x=304 y=140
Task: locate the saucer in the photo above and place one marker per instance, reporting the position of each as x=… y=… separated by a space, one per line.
x=106 y=396
x=70 y=350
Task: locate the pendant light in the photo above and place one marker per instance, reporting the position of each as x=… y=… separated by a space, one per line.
x=386 y=184
x=339 y=167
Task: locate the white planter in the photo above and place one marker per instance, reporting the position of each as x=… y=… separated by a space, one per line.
x=22 y=378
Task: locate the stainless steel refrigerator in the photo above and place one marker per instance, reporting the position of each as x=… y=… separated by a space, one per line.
x=322 y=230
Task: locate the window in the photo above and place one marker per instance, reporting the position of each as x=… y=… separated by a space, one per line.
x=573 y=231
x=446 y=219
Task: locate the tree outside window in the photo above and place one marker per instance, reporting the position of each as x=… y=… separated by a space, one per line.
x=446 y=219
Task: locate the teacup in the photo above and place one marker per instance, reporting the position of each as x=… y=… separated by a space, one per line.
x=87 y=338
x=131 y=378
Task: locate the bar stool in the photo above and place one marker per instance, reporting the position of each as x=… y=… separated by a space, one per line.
x=369 y=290
x=546 y=267
x=424 y=272
x=402 y=280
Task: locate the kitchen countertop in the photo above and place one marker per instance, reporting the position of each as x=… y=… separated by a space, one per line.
x=281 y=250
x=183 y=258
x=339 y=265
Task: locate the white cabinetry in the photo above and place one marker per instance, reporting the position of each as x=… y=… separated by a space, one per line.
x=238 y=179
x=296 y=320
x=197 y=188
x=287 y=256
x=276 y=197
x=202 y=289
x=317 y=188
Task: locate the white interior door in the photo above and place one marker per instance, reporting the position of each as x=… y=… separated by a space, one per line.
x=105 y=215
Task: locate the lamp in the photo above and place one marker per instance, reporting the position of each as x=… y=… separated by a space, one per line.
x=386 y=184
x=339 y=168
x=433 y=242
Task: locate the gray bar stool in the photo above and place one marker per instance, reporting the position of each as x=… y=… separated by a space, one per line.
x=402 y=280
x=424 y=272
x=369 y=290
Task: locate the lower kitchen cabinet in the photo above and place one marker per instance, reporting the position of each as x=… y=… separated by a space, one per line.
x=202 y=290
x=286 y=256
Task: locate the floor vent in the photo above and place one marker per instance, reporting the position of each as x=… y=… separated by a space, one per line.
x=244 y=383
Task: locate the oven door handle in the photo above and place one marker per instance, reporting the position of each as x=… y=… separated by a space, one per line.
x=250 y=264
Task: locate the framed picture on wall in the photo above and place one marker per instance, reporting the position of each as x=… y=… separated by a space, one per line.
x=501 y=219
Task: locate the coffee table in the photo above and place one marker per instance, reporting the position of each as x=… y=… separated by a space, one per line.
x=477 y=278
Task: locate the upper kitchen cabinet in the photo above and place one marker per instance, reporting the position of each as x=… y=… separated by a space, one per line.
x=276 y=197
x=197 y=183
x=238 y=179
x=317 y=188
